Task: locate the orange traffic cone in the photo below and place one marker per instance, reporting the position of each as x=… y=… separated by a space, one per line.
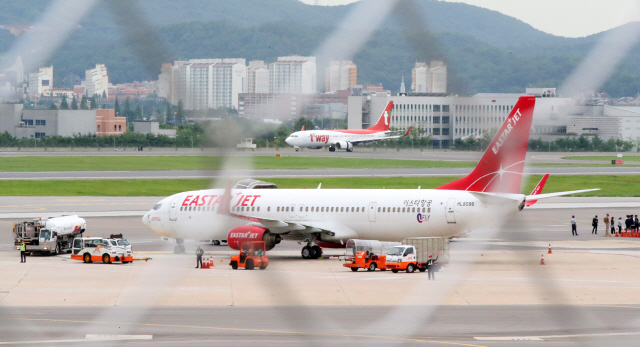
x=211 y=262
x=542 y=260
x=549 y=249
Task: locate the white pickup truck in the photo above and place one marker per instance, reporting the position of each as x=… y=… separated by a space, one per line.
x=92 y=249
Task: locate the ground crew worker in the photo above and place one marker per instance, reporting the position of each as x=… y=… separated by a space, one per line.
x=431 y=267
x=606 y=224
x=619 y=225
x=199 y=253
x=594 y=224
x=23 y=252
x=574 y=230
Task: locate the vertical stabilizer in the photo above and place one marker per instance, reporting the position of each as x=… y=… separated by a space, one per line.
x=500 y=169
x=384 y=120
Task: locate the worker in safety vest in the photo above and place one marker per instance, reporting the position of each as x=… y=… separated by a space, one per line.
x=23 y=253
x=199 y=253
x=431 y=268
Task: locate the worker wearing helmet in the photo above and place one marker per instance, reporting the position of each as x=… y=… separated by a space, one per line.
x=431 y=267
x=23 y=252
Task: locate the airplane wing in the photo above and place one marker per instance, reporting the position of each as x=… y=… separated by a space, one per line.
x=382 y=138
x=333 y=231
x=552 y=195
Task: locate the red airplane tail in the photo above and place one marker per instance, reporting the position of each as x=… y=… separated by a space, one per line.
x=384 y=120
x=500 y=169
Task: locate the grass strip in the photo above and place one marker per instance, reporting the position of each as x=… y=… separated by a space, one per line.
x=611 y=185
x=141 y=163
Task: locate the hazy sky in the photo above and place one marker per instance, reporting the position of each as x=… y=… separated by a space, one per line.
x=571 y=18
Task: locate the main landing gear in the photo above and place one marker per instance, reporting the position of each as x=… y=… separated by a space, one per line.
x=179 y=248
x=311 y=251
x=332 y=148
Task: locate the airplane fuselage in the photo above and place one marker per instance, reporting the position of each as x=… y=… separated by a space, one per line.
x=380 y=214
x=322 y=138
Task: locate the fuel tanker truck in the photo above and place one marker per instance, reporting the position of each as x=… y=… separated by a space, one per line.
x=50 y=236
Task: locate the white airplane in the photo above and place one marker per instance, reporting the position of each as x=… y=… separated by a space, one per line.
x=345 y=139
x=329 y=217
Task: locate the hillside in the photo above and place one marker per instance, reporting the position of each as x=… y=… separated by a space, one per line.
x=485 y=50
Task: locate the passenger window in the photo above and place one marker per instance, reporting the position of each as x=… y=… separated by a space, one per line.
x=413 y=209
x=378 y=209
x=332 y=209
x=306 y=209
x=268 y=209
x=287 y=208
x=278 y=209
x=323 y=209
x=341 y=209
x=403 y=209
x=357 y=209
x=258 y=209
x=353 y=209
x=394 y=209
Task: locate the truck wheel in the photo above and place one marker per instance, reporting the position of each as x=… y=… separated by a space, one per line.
x=57 y=251
x=395 y=271
x=383 y=269
x=422 y=269
x=411 y=268
x=86 y=258
x=354 y=269
x=234 y=265
x=249 y=264
x=262 y=267
x=372 y=267
x=106 y=259
x=216 y=242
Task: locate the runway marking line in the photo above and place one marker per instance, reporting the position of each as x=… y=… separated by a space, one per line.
x=241 y=329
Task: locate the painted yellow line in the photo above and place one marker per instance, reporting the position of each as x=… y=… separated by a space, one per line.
x=253 y=330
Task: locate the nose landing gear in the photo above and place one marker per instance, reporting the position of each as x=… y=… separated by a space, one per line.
x=179 y=248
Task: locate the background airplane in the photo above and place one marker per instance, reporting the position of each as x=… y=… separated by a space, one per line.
x=329 y=217
x=346 y=139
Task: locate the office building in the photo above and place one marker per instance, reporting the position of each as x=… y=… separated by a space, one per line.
x=40 y=82
x=293 y=75
x=257 y=77
x=429 y=78
x=96 y=81
x=341 y=75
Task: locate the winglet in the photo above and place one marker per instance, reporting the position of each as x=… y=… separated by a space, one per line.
x=408 y=131
x=537 y=190
x=302 y=127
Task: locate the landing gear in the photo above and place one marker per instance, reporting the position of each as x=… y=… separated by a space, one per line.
x=179 y=248
x=311 y=252
x=332 y=148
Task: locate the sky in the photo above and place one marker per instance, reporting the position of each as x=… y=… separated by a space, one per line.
x=569 y=18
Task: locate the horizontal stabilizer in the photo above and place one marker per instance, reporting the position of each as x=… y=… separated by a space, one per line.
x=552 y=195
x=496 y=198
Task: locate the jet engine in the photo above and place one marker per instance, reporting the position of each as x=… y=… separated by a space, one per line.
x=344 y=146
x=245 y=233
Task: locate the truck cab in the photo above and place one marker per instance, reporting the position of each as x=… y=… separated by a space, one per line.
x=402 y=258
x=92 y=249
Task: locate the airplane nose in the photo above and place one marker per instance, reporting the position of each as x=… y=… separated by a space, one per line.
x=289 y=141
x=145 y=219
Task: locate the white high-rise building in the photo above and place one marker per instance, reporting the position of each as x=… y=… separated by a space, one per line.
x=438 y=77
x=208 y=83
x=421 y=82
x=341 y=75
x=96 y=81
x=41 y=82
x=293 y=75
x=257 y=77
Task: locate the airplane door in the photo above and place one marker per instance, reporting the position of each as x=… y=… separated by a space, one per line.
x=372 y=211
x=451 y=207
x=292 y=211
x=301 y=211
x=173 y=211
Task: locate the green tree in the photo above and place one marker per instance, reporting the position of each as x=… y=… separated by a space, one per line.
x=83 y=103
x=117 y=108
x=104 y=94
x=180 y=113
x=74 y=103
x=168 y=117
x=138 y=113
x=64 y=105
x=93 y=103
x=53 y=106
x=302 y=121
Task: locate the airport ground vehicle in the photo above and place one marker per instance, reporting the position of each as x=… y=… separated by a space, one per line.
x=367 y=254
x=252 y=254
x=53 y=235
x=118 y=240
x=90 y=249
x=414 y=254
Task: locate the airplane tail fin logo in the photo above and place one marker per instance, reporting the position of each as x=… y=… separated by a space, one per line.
x=384 y=120
x=302 y=128
x=500 y=169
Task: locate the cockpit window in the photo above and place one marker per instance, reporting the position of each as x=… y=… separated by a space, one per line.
x=293 y=136
x=157 y=207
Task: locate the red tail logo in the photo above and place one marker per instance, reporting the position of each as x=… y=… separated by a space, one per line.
x=384 y=120
x=500 y=169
